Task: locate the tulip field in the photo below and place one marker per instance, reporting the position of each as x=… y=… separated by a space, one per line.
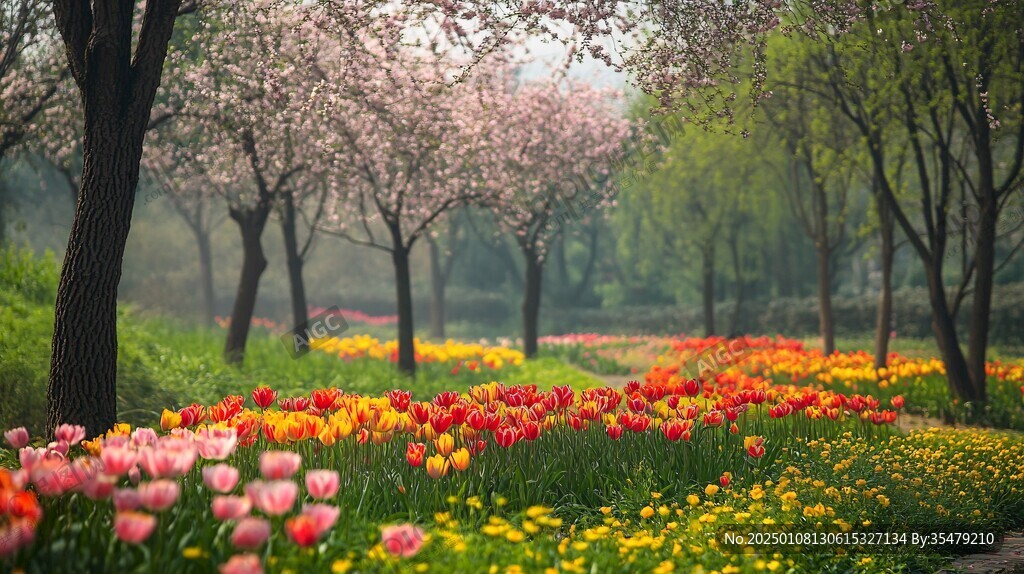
x=526 y=477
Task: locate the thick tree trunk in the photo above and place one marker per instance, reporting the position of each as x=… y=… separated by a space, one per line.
x=531 y=303
x=254 y=262
x=437 y=288
x=825 y=321
x=300 y=313
x=206 y=276
x=83 y=365
x=708 y=290
x=117 y=89
x=944 y=326
x=403 y=289
x=883 y=326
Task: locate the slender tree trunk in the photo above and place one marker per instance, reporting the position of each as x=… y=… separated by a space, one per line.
x=825 y=321
x=206 y=276
x=403 y=288
x=737 y=267
x=437 y=288
x=708 y=290
x=883 y=326
x=300 y=313
x=254 y=262
x=984 y=261
x=531 y=302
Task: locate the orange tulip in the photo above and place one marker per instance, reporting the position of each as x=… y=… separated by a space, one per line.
x=460 y=459
x=437 y=466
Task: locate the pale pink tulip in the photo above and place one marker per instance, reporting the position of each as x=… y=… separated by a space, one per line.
x=279 y=464
x=159 y=495
x=220 y=477
x=143 y=436
x=99 y=487
x=322 y=483
x=242 y=564
x=323 y=515
x=117 y=460
x=71 y=434
x=216 y=444
x=404 y=540
x=250 y=533
x=18 y=437
x=231 y=507
x=275 y=497
x=169 y=458
x=126 y=499
x=134 y=527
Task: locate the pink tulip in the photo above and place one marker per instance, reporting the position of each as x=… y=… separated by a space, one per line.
x=230 y=507
x=274 y=498
x=242 y=564
x=220 y=477
x=169 y=458
x=216 y=444
x=279 y=464
x=116 y=441
x=71 y=434
x=99 y=487
x=323 y=515
x=159 y=495
x=17 y=438
x=126 y=499
x=322 y=483
x=250 y=533
x=29 y=456
x=134 y=475
x=404 y=540
x=134 y=527
x=60 y=447
x=117 y=460
x=143 y=436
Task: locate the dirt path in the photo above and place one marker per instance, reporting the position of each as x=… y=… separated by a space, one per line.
x=1008 y=558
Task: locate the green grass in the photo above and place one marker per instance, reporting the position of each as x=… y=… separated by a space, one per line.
x=165 y=363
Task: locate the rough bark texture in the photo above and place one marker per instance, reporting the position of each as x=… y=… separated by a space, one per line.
x=300 y=311
x=117 y=95
x=531 y=302
x=403 y=291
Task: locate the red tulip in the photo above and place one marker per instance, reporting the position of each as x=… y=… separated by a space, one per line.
x=614 y=431
x=399 y=399
x=301 y=530
x=414 y=452
x=897 y=402
x=264 y=396
x=691 y=387
x=506 y=436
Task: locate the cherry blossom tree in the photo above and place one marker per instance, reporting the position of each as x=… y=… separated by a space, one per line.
x=31 y=70
x=248 y=126
x=403 y=144
x=551 y=160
